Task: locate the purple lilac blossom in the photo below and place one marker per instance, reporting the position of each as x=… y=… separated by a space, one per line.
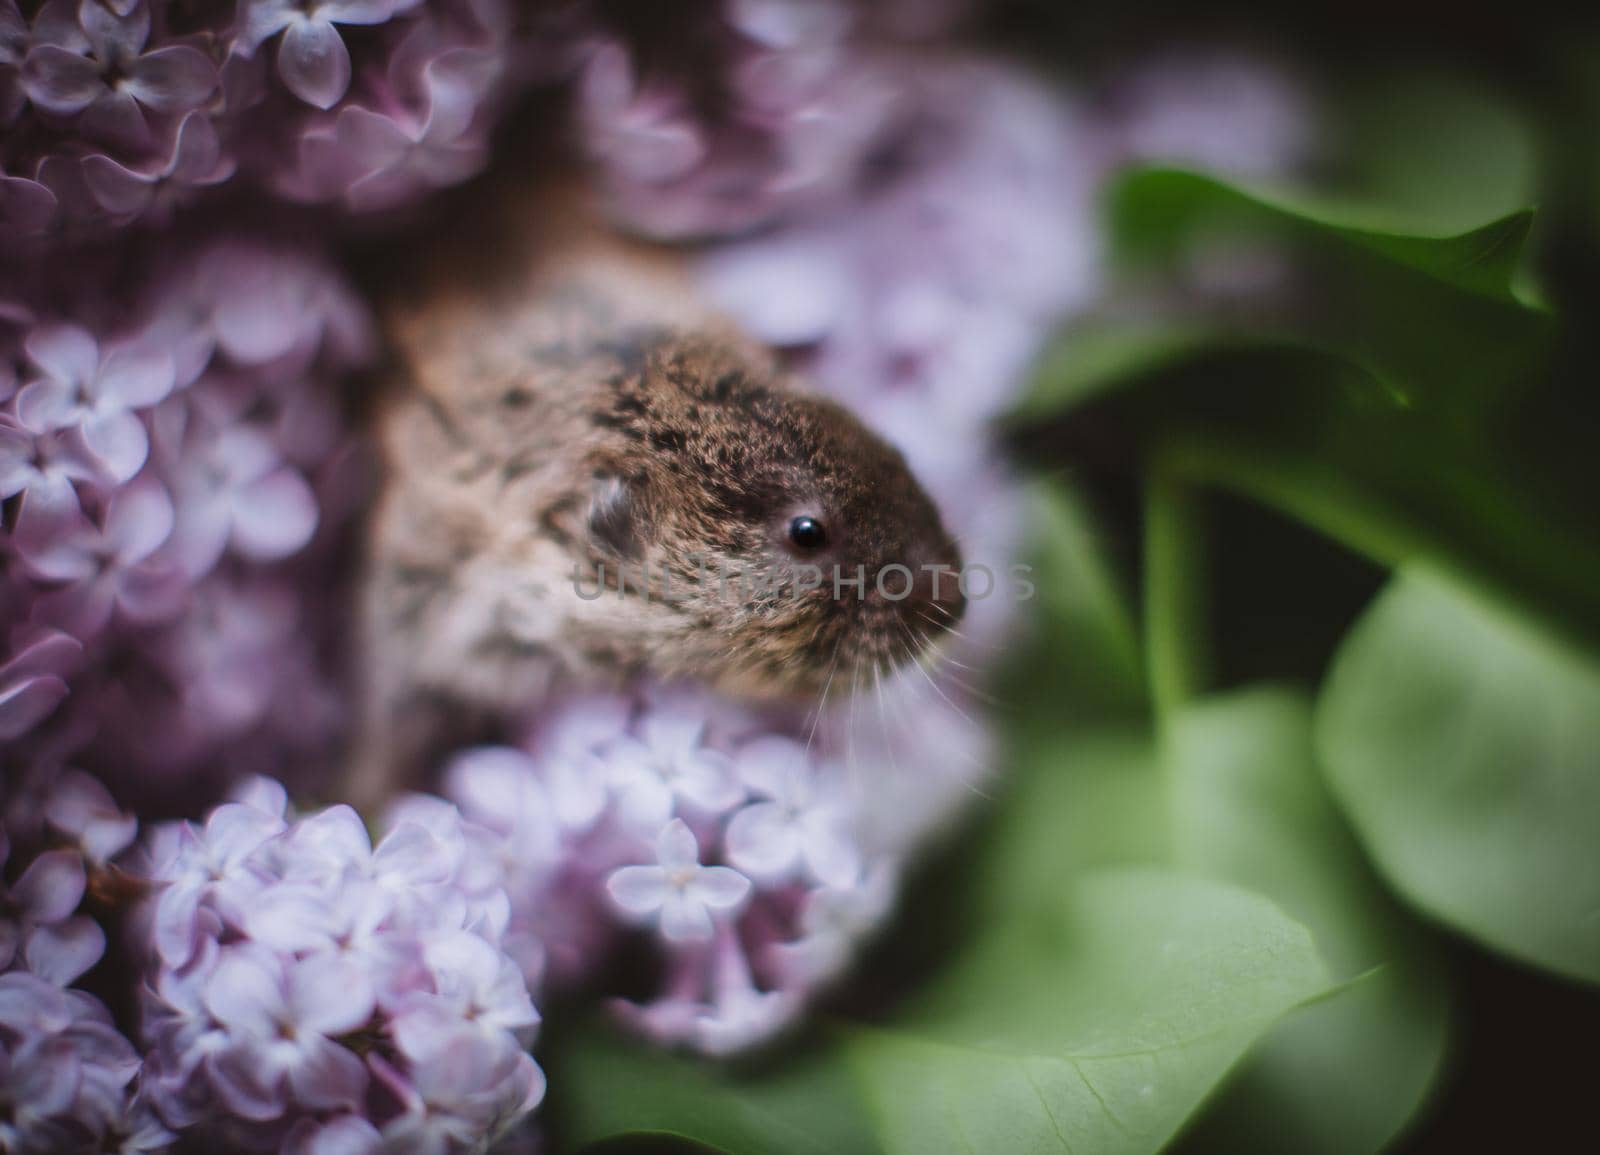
x=311 y=989
x=121 y=111
x=181 y=477
x=67 y=1075
x=803 y=102
x=757 y=849
x=1223 y=111
x=68 y=1078
x=60 y=830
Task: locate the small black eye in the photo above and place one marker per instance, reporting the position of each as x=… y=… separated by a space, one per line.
x=807 y=533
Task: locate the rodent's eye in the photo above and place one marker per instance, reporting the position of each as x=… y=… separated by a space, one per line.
x=807 y=533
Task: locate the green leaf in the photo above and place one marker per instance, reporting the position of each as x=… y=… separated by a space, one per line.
x=1158 y=212
x=1084 y=647
x=1096 y=1023
x=1464 y=744
x=1074 y=802
x=1428 y=150
x=605 y=1085
x=1434 y=319
x=1340 y=1076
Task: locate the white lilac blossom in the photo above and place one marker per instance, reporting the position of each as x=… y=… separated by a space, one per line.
x=310 y=988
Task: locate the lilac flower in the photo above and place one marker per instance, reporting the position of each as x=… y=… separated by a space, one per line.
x=667 y=763
x=472 y=982
x=33 y=682
x=312 y=58
x=467 y=1089
x=228 y=653
x=89 y=59
x=804 y=115
x=104 y=568
x=424 y=132
x=678 y=892
x=196 y=161
x=1228 y=112
x=231 y=487
x=572 y=753
x=281 y=1020
x=801 y=823
x=65 y=1072
x=500 y=788
x=940 y=286
x=94 y=394
x=206 y=865
x=740 y=1014
x=43 y=467
x=359 y=999
x=38 y=925
x=832 y=922
x=27 y=208
x=81 y=808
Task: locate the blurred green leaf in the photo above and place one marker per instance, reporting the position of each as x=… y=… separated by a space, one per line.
x=1083 y=647
x=1340 y=1076
x=1429 y=150
x=1432 y=318
x=1370 y=386
x=1074 y=802
x=1156 y=213
x=1096 y=1023
x=609 y=1085
x=1464 y=744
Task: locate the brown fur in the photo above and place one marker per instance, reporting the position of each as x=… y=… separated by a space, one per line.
x=565 y=404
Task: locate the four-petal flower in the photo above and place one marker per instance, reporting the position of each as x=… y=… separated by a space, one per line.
x=89 y=60
x=677 y=892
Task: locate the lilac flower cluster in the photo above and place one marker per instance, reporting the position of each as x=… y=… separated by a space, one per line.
x=69 y=1080
x=113 y=111
x=312 y=992
x=164 y=471
x=754 y=848
x=777 y=113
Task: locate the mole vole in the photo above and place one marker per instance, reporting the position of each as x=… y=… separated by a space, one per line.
x=591 y=476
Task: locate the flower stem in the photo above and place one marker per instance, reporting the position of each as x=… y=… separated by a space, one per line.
x=1177 y=645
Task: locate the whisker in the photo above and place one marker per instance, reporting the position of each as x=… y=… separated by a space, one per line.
x=822 y=702
x=883 y=720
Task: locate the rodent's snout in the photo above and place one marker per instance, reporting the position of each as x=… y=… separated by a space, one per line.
x=937 y=590
x=935 y=602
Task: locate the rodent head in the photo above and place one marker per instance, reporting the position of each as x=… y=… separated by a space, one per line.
x=795 y=544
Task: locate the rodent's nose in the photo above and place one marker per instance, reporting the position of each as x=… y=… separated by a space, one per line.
x=936 y=594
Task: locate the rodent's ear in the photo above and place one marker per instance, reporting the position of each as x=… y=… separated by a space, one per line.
x=616 y=523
